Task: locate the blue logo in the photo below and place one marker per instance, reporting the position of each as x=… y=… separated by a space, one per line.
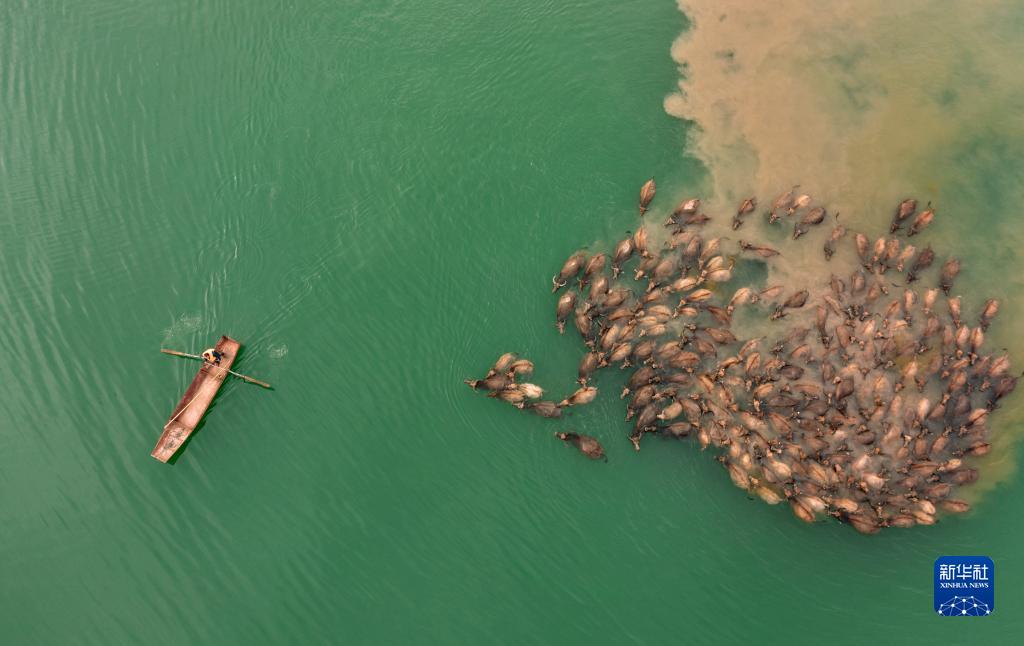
x=964 y=586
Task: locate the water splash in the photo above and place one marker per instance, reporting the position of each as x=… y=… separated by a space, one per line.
x=183 y=326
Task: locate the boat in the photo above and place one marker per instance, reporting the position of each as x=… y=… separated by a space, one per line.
x=196 y=400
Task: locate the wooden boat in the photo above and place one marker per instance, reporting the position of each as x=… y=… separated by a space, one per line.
x=197 y=399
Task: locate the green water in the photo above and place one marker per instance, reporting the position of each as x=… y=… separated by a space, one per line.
x=372 y=197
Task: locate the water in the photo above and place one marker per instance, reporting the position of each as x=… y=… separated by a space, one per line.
x=372 y=198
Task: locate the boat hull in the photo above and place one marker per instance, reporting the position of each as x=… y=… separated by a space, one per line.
x=197 y=399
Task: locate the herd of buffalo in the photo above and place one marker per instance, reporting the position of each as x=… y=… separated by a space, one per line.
x=861 y=397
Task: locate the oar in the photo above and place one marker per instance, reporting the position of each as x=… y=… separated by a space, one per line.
x=232 y=372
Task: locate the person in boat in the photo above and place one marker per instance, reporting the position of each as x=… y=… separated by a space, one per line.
x=212 y=355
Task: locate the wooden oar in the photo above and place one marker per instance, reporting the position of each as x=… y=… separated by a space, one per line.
x=231 y=372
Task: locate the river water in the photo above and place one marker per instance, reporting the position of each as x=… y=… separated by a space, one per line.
x=372 y=198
